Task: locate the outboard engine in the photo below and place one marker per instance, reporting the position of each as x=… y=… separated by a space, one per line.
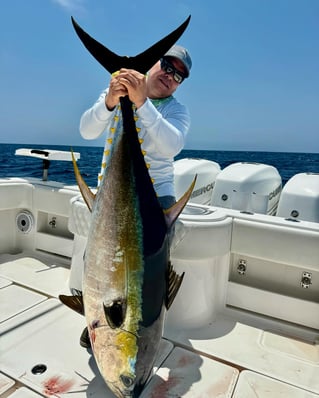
x=300 y=198
x=251 y=187
x=206 y=171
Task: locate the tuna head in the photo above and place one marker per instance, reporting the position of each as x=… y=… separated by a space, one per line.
x=125 y=360
x=115 y=352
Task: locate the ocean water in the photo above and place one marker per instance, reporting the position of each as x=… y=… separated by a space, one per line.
x=287 y=164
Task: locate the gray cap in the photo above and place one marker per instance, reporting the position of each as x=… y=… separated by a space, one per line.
x=182 y=54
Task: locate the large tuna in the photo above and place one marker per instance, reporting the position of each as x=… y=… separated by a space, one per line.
x=128 y=282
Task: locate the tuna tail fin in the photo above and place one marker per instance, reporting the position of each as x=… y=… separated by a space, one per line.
x=87 y=194
x=173 y=212
x=141 y=62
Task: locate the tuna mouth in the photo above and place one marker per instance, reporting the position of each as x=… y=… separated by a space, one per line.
x=130 y=394
x=125 y=392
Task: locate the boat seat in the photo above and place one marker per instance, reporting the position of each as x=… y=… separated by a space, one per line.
x=79 y=224
x=80 y=217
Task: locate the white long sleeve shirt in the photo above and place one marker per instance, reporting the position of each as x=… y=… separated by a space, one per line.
x=162 y=126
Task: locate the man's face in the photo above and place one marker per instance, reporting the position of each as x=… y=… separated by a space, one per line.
x=161 y=84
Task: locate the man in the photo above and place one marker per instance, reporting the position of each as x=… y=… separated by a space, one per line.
x=161 y=121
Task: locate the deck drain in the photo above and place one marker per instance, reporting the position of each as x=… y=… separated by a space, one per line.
x=39 y=369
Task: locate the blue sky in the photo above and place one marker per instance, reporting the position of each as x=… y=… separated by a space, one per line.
x=254 y=84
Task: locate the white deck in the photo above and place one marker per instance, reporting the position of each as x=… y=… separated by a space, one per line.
x=226 y=359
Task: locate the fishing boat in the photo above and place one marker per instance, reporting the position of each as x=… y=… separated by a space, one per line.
x=244 y=324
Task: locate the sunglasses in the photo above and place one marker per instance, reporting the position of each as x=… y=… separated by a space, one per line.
x=167 y=67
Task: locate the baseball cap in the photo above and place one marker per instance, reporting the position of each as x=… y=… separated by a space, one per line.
x=182 y=54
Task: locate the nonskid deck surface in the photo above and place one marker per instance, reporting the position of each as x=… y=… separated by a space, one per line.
x=41 y=355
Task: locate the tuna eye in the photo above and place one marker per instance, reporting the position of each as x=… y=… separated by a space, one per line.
x=128 y=381
x=114 y=313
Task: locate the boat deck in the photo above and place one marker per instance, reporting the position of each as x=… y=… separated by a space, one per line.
x=41 y=355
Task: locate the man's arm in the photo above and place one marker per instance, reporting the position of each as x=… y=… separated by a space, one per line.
x=96 y=119
x=167 y=131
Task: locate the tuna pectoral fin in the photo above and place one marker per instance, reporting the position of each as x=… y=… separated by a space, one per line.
x=73 y=302
x=173 y=212
x=87 y=194
x=174 y=282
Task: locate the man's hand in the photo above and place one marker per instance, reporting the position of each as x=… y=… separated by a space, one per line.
x=126 y=82
x=116 y=90
x=135 y=84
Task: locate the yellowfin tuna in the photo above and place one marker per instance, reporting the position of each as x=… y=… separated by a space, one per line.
x=128 y=282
